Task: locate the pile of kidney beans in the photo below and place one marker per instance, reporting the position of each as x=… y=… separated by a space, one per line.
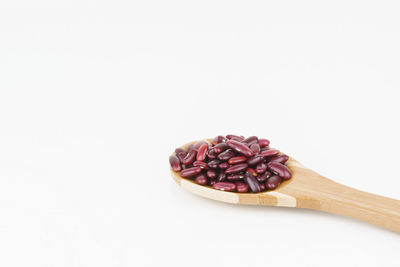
x=232 y=163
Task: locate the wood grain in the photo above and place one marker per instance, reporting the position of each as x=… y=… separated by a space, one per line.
x=310 y=190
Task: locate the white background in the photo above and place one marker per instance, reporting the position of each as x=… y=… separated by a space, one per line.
x=95 y=95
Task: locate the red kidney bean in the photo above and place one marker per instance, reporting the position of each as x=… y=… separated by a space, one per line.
x=221 y=177
x=179 y=150
x=211 y=174
x=261 y=168
x=201 y=179
x=262 y=186
x=263 y=177
x=190 y=157
x=224 y=186
x=279 y=169
x=255 y=148
x=241 y=187
x=237 y=168
x=227 y=154
x=200 y=164
x=190 y=172
x=263 y=142
x=218 y=139
x=221 y=147
x=280 y=158
x=235 y=137
x=240 y=147
x=181 y=155
x=250 y=140
x=252 y=182
x=273 y=182
x=269 y=152
x=236 y=160
x=202 y=152
x=224 y=165
x=235 y=177
x=251 y=171
x=255 y=160
x=199 y=144
x=175 y=163
x=211 y=154
x=214 y=164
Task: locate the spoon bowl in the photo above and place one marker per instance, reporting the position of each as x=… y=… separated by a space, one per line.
x=310 y=190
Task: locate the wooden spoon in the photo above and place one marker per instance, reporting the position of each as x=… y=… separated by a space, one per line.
x=310 y=190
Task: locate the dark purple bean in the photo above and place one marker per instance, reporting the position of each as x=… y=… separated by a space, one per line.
x=263 y=177
x=221 y=177
x=269 y=152
x=236 y=160
x=224 y=186
x=252 y=182
x=235 y=177
x=221 y=147
x=202 y=152
x=214 y=163
x=242 y=187
x=190 y=157
x=280 y=158
x=237 y=168
x=175 y=163
x=261 y=168
x=251 y=140
x=240 y=147
x=201 y=179
x=279 y=169
x=263 y=142
x=211 y=174
x=255 y=160
x=235 y=137
x=251 y=171
x=200 y=164
x=273 y=182
x=224 y=165
x=190 y=172
x=255 y=148
x=227 y=154
x=211 y=154
x=218 y=139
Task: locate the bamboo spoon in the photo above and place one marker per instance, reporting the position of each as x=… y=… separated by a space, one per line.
x=310 y=190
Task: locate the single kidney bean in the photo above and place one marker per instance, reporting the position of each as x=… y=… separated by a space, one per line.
x=235 y=177
x=279 y=169
x=263 y=177
x=221 y=177
x=218 y=139
x=221 y=147
x=261 y=168
x=237 y=168
x=214 y=164
x=201 y=179
x=175 y=163
x=273 y=182
x=280 y=158
x=269 y=152
x=241 y=187
x=200 y=164
x=255 y=160
x=211 y=154
x=190 y=172
x=251 y=171
x=224 y=186
x=262 y=186
x=263 y=142
x=255 y=148
x=179 y=150
x=235 y=137
x=202 y=152
x=250 y=140
x=190 y=157
x=199 y=144
x=224 y=165
x=211 y=174
x=227 y=154
x=240 y=147
x=251 y=181
x=236 y=160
